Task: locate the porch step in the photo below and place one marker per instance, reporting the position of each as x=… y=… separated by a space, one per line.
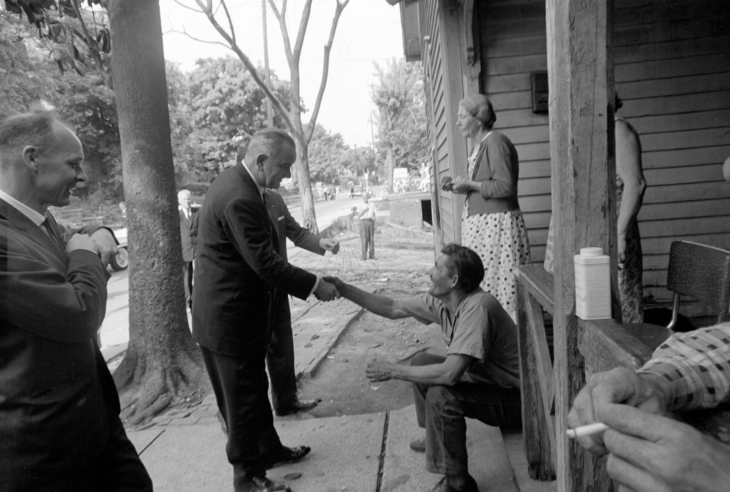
x=404 y=469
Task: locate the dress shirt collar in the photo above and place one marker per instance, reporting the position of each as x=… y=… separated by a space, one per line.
x=255 y=181
x=34 y=216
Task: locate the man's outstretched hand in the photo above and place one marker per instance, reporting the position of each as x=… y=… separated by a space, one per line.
x=326 y=291
x=330 y=244
x=106 y=243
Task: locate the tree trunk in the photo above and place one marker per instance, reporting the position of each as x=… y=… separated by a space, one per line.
x=309 y=217
x=389 y=166
x=162 y=363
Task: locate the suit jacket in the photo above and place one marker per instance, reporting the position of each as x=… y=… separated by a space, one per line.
x=188 y=251
x=56 y=394
x=238 y=267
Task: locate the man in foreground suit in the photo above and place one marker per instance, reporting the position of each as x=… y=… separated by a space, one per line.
x=59 y=409
x=238 y=272
x=280 y=357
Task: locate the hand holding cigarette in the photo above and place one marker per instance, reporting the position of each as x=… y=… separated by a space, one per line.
x=587 y=430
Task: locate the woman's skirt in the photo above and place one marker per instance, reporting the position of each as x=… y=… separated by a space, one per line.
x=501 y=241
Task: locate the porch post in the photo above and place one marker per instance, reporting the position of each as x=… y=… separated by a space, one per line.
x=583 y=183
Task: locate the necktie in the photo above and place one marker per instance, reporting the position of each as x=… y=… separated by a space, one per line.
x=52 y=233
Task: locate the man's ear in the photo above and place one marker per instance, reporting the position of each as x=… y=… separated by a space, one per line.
x=454 y=281
x=30 y=154
x=261 y=160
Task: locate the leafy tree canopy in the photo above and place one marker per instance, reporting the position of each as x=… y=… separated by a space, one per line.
x=402 y=124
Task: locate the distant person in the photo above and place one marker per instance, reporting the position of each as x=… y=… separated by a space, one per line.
x=366 y=214
x=630 y=188
x=59 y=408
x=185 y=215
x=491 y=223
x=238 y=273
x=480 y=375
x=123 y=210
x=280 y=355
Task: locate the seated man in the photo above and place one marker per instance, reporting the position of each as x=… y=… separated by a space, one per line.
x=647 y=450
x=479 y=378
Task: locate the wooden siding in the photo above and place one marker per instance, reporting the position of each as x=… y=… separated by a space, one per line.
x=672 y=70
x=513 y=46
x=443 y=65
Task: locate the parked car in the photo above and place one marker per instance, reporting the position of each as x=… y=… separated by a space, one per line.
x=121 y=260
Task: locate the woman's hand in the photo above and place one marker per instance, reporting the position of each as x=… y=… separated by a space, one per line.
x=463 y=186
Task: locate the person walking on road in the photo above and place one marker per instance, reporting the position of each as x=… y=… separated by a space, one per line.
x=366 y=214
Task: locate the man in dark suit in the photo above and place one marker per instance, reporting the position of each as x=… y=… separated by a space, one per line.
x=59 y=409
x=238 y=272
x=280 y=357
x=188 y=250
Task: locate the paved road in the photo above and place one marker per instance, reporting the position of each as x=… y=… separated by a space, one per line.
x=115 y=329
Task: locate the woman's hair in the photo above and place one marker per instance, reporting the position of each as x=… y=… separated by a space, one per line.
x=480 y=108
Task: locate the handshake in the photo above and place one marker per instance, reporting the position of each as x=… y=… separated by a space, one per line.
x=327 y=290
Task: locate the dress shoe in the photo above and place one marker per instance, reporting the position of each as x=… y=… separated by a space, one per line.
x=419 y=445
x=297 y=406
x=286 y=455
x=445 y=486
x=263 y=484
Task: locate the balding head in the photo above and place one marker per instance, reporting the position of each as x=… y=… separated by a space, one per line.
x=269 y=156
x=40 y=160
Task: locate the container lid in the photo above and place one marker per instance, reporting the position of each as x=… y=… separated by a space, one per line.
x=591 y=251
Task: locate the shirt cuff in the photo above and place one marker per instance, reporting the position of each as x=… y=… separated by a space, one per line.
x=316 y=285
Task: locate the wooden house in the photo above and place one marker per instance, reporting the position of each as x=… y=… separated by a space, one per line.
x=672 y=70
x=670 y=62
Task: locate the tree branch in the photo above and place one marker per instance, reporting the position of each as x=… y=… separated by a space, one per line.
x=230 y=22
x=186 y=7
x=198 y=39
x=208 y=11
x=281 y=18
x=302 y=31
x=91 y=43
x=325 y=69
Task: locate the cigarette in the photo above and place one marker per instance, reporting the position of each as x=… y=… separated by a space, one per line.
x=587 y=430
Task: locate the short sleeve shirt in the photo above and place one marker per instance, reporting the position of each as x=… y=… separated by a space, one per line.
x=480 y=328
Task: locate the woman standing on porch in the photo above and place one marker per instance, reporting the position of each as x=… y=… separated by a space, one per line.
x=630 y=187
x=492 y=223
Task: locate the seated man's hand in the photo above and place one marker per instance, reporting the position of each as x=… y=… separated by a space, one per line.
x=379 y=370
x=330 y=244
x=619 y=385
x=326 y=291
x=81 y=242
x=651 y=453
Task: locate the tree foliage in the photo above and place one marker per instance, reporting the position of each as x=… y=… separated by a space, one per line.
x=227 y=107
x=402 y=124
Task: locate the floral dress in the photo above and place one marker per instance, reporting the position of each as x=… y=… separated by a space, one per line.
x=500 y=240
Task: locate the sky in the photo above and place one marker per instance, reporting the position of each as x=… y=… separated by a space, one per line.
x=368 y=31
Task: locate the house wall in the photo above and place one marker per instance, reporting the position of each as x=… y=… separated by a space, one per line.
x=672 y=70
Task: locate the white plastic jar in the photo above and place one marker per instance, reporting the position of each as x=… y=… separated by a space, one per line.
x=592 y=284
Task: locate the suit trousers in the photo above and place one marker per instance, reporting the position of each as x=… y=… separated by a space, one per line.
x=188 y=279
x=280 y=356
x=442 y=411
x=241 y=387
x=367 y=237
x=117 y=469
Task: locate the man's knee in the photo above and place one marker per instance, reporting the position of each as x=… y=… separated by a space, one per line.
x=441 y=401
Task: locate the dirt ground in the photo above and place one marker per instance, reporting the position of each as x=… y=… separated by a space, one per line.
x=340 y=380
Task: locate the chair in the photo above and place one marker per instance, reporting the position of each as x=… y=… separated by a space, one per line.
x=701 y=272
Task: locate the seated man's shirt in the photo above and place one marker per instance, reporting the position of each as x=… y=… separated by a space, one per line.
x=481 y=329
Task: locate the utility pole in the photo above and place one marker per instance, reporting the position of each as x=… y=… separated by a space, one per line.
x=372 y=134
x=267 y=74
